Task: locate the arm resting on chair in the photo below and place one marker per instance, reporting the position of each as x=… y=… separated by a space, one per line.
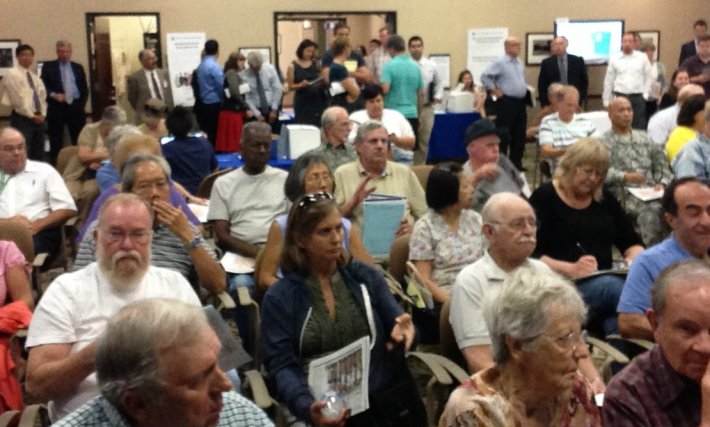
x=54 y=372
x=54 y=219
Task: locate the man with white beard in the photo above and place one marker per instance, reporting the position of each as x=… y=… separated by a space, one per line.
x=73 y=312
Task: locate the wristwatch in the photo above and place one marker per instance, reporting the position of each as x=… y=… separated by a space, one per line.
x=193 y=244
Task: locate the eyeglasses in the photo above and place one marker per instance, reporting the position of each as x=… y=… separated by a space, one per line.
x=318 y=177
x=309 y=199
x=520 y=224
x=140 y=236
x=571 y=340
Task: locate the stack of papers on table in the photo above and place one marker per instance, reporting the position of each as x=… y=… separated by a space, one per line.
x=382 y=215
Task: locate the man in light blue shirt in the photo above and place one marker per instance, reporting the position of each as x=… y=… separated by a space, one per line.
x=504 y=78
x=210 y=79
x=694 y=158
x=264 y=96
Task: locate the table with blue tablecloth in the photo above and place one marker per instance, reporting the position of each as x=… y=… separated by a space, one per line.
x=447 y=136
x=234 y=160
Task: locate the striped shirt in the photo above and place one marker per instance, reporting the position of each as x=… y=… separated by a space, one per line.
x=167 y=251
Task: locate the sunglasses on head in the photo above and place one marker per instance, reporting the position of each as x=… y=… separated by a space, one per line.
x=309 y=199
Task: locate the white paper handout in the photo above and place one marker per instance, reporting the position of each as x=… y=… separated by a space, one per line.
x=646 y=194
x=237 y=264
x=344 y=372
x=200 y=211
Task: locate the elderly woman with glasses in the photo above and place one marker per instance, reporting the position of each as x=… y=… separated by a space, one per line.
x=580 y=221
x=535 y=323
x=324 y=302
x=309 y=174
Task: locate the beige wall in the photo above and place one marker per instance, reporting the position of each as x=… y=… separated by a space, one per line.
x=442 y=24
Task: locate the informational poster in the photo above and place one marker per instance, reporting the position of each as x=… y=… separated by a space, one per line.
x=485 y=45
x=184 y=55
x=443 y=67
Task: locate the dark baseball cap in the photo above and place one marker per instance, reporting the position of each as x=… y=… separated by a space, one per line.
x=478 y=129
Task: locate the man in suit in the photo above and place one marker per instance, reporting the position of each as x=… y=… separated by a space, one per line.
x=67 y=92
x=690 y=49
x=148 y=82
x=563 y=68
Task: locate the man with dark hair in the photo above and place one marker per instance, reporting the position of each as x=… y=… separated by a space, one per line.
x=377 y=59
x=355 y=63
x=398 y=127
x=433 y=94
x=562 y=67
x=629 y=75
x=490 y=171
x=210 y=79
x=148 y=82
x=670 y=384
x=505 y=79
x=402 y=82
x=158 y=364
x=697 y=66
x=67 y=93
x=685 y=205
x=690 y=49
x=25 y=93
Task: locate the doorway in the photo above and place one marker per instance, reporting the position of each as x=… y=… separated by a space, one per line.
x=114 y=41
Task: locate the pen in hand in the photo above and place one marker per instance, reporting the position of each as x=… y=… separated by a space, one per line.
x=581 y=249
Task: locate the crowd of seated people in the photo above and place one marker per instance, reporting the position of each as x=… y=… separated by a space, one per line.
x=524 y=272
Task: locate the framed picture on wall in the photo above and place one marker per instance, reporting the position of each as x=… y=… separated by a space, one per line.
x=537 y=47
x=7 y=55
x=264 y=51
x=653 y=37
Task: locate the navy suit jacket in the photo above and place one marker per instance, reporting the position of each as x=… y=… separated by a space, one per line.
x=687 y=51
x=550 y=73
x=52 y=78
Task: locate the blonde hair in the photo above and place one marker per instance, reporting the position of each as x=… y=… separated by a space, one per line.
x=585 y=152
x=133 y=144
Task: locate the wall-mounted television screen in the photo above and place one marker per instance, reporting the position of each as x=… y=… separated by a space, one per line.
x=593 y=40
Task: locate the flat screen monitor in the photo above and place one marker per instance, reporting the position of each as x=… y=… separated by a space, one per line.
x=593 y=40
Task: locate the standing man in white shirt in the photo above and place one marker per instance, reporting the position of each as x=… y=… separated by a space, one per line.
x=433 y=93
x=629 y=75
x=148 y=82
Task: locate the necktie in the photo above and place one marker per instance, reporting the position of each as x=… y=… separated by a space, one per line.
x=155 y=85
x=35 y=95
x=262 y=95
x=66 y=82
x=562 y=63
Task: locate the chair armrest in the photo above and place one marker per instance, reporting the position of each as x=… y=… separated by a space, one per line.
x=645 y=344
x=439 y=373
x=244 y=297
x=254 y=381
x=71 y=222
x=7 y=417
x=615 y=354
x=453 y=368
x=225 y=300
x=40 y=260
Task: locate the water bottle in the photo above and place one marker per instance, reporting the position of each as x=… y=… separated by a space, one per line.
x=333 y=405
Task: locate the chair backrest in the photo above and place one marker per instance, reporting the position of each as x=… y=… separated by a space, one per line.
x=21 y=236
x=422 y=172
x=205 y=187
x=65 y=154
x=449 y=347
x=399 y=254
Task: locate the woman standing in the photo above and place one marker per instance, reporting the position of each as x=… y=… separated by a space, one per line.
x=303 y=77
x=344 y=90
x=234 y=108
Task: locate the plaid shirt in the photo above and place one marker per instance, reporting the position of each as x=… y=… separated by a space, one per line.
x=649 y=392
x=98 y=412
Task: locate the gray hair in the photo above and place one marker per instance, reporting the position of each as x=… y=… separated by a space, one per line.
x=327 y=119
x=124 y=199
x=128 y=352
x=295 y=181
x=251 y=129
x=128 y=171
x=118 y=133
x=113 y=115
x=254 y=59
x=684 y=272
x=367 y=127
x=520 y=309
x=555 y=90
x=495 y=204
x=63 y=43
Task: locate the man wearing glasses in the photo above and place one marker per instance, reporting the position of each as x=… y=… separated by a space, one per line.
x=510 y=227
x=32 y=193
x=73 y=312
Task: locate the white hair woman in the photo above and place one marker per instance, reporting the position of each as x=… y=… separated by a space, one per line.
x=535 y=322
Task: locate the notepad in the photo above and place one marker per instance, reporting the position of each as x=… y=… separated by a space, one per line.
x=237 y=264
x=382 y=215
x=646 y=194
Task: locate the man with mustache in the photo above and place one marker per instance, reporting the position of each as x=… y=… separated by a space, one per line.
x=73 y=312
x=509 y=226
x=158 y=365
x=176 y=244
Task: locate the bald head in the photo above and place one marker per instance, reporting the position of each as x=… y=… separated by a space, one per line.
x=689 y=90
x=621 y=115
x=512 y=46
x=13 y=157
x=335 y=126
x=501 y=203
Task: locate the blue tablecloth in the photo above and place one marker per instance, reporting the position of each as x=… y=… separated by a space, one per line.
x=447 y=136
x=234 y=160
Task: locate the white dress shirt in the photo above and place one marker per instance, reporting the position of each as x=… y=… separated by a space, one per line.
x=627 y=74
x=35 y=192
x=662 y=124
x=431 y=75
